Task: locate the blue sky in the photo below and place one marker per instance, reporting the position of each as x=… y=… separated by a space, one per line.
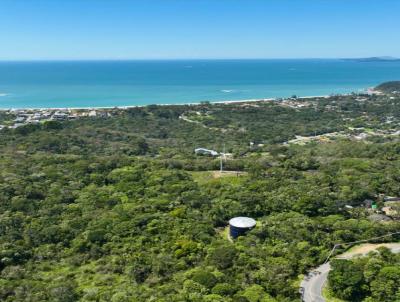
x=173 y=29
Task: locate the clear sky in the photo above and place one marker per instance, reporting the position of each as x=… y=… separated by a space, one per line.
x=172 y=29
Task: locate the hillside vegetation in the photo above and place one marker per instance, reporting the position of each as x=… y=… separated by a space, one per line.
x=389 y=87
x=120 y=208
x=374 y=278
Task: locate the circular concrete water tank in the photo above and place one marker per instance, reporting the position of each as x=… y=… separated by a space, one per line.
x=238 y=226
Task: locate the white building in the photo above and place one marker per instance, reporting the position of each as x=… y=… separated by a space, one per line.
x=203 y=151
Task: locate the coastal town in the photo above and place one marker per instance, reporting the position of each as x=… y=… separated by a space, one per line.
x=14 y=118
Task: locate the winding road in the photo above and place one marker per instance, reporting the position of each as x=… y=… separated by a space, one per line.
x=313 y=284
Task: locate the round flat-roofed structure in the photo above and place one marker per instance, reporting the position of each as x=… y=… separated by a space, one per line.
x=238 y=226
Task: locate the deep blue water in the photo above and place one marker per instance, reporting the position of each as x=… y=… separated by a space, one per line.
x=124 y=83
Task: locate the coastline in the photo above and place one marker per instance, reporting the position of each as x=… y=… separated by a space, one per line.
x=25 y=116
x=168 y=104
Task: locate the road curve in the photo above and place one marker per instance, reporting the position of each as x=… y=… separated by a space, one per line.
x=314 y=282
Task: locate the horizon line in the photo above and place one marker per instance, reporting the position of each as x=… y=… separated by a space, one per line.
x=183 y=59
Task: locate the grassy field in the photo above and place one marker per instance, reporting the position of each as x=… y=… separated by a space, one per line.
x=231 y=177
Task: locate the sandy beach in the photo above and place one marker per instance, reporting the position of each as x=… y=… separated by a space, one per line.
x=170 y=104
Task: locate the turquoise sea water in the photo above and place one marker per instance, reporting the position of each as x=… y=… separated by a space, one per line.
x=129 y=83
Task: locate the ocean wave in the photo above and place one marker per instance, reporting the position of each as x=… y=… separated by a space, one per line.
x=227 y=90
x=3 y=94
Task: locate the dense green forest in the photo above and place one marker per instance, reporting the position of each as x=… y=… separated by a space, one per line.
x=121 y=209
x=375 y=278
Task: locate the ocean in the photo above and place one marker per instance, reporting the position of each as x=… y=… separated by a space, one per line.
x=64 y=84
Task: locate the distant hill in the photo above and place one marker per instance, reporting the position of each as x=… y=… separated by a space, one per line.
x=375 y=59
x=389 y=87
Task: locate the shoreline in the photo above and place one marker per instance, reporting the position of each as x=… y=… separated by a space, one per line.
x=181 y=104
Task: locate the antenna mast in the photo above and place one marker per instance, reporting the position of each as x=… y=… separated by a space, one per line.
x=221 y=166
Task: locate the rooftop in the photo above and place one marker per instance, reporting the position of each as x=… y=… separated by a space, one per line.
x=242 y=222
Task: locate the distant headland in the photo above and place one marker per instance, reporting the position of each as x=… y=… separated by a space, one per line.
x=374 y=59
x=392 y=87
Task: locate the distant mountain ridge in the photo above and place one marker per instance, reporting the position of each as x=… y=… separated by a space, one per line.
x=375 y=59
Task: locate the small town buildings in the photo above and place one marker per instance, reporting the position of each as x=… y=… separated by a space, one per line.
x=370 y=204
x=391 y=199
x=60 y=116
x=92 y=113
x=19 y=119
x=389 y=211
